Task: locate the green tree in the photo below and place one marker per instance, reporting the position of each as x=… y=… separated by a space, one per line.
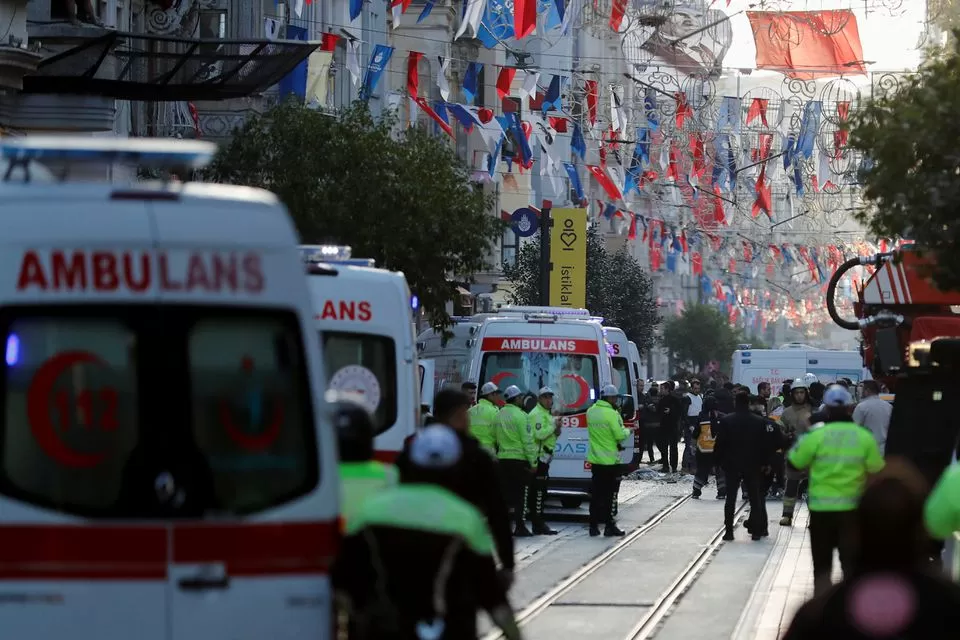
x=618 y=288
x=700 y=334
x=405 y=200
x=912 y=140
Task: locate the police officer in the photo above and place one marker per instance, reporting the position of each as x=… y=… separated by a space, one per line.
x=517 y=455
x=606 y=433
x=545 y=430
x=795 y=422
x=484 y=417
x=417 y=561
x=360 y=475
x=470 y=389
x=839 y=454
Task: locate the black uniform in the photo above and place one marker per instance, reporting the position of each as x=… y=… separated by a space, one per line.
x=670 y=413
x=649 y=425
x=479 y=484
x=742 y=448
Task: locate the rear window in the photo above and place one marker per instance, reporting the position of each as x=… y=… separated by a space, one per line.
x=156 y=411
x=621 y=374
x=364 y=363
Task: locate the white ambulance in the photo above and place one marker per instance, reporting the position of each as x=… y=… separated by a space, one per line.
x=753 y=366
x=167 y=466
x=625 y=378
x=564 y=349
x=449 y=350
x=639 y=368
x=368 y=349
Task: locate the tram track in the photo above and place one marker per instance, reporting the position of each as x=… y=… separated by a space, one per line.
x=649 y=622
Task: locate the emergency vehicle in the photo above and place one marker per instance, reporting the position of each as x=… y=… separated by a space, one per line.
x=625 y=377
x=367 y=348
x=168 y=469
x=449 y=353
x=753 y=366
x=564 y=349
x=639 y=368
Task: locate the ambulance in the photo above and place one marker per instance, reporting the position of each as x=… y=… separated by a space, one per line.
x=167 y=466
x=449 y=350
x=753 y=366
x=625 y=378
x=368 y=349
x=565 y=349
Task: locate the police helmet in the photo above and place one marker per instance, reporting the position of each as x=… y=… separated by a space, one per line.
x=609 y=391
x=435 y=447
x=837 y=396
x=488 y=388
x=511 y=392
x=810 y=378
x=799 y=383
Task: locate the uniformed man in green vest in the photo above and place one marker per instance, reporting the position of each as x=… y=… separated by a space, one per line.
x=484 y=417
x=360 y=475
x=545 y=430
x=839 y=455
x=607 y=435
x=942 y=509
x=517 y=455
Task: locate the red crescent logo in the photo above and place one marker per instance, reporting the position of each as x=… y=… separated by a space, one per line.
x=38 y=409
x=503 y=375
x=584 y=390
x=253 y=443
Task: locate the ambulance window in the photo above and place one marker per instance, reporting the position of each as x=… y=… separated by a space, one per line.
x=367 y=364
x=70 y=411
x=252 y=415
x=621 y=374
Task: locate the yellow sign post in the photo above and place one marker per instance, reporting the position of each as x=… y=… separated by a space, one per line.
x=568 y=258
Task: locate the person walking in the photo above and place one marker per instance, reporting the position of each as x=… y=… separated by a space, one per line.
x=691 y=422
x=670 y=415
x=545 y=430
x=479 y=480
x=741 y=451
x=889 y=593
x=795 y=422
x=607 y=434
x=764 y=391
x=517 y=456
x=650 y=424
x=360 y=475
x=484 y=417
x=417 y=560
x=704 y=438
x=840 y=455
x=873 y=412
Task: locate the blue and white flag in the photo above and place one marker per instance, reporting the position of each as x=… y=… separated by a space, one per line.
x=378 y=64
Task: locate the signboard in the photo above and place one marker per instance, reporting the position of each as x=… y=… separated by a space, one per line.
x=524 y=222
x=568 y=254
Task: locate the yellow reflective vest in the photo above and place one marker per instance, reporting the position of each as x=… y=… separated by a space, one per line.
x=543 y=428
x=515 y=435
x=605 y=430
x=484 y=418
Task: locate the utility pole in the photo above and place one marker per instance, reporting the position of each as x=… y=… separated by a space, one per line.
x=546 y=225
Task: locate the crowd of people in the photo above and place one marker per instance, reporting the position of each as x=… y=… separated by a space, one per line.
x=428 y=544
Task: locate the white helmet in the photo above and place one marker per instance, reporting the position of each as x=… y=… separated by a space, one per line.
x=810 y=378
x=512 y=392
x=837 y=396
x=799 y=383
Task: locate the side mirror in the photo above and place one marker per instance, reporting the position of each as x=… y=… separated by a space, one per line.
x=628 y=407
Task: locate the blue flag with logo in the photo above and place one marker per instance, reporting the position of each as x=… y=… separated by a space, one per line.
x=356 y=6
x=378 y=64
x=295 y=82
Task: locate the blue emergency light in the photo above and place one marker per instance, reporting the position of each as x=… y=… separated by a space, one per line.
x=333 y=254
x=147 y=152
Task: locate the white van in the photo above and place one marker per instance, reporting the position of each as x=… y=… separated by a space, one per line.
x=543 y=346
x=753 y=366
x=450 y=354
x=367 y=347
x=167 y=466
x=625 y=377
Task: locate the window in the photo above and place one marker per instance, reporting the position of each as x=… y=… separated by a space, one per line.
x=621 y=374
x=509 y=247
x=105 y=408
x=573 y=378
x=364 y=363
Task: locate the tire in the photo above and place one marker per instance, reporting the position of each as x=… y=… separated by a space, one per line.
x=571 y=503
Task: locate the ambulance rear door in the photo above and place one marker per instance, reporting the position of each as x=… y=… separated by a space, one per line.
x=426 y=369
x=74 y=558
x=367 y=346
x=255 y=562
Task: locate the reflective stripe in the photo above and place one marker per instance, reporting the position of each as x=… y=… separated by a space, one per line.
x=815 y=501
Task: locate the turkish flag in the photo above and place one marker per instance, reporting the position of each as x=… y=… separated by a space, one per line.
x=808 y=44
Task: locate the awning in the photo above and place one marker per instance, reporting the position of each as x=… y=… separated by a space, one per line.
x=129 y=66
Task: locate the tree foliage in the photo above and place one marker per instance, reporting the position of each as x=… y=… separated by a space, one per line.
x=700 y=334
x=912 y=179
x=618 y=288
x=404 y=199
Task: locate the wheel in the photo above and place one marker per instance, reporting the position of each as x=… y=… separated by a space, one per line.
x=571 y=503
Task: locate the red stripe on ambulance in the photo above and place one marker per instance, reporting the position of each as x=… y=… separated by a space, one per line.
x=139 y=271
x=548 y=345
x=75 y=552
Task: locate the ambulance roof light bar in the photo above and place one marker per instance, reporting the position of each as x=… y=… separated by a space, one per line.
x=554 y=311
x=332 y=254
x=156 y=153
